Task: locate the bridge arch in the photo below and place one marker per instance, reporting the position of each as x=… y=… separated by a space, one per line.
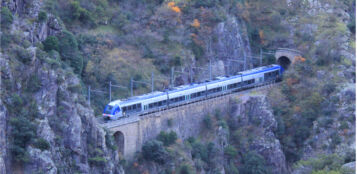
x=119 y=140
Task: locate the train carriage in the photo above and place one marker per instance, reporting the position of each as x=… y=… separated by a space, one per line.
x=190 y=93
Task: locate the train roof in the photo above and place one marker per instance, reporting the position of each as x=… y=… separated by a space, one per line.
x=193 y=85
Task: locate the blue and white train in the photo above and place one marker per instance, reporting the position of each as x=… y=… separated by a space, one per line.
x=180 y=95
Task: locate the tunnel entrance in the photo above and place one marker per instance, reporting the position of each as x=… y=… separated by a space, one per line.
x=119 y=140
x=284 y=62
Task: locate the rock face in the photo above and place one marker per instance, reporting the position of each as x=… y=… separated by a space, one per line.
x=255 y=112
x=37 y=30
x=3 y=141
x=232 y=43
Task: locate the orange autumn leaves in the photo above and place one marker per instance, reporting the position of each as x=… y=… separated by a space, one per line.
x=196 y=23
x=173 y=7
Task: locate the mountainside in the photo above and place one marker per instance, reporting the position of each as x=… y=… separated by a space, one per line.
x=53 y=50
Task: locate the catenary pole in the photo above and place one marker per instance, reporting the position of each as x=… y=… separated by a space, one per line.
x=110 y=91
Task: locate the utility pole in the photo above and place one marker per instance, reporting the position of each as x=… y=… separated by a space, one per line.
x=210 y=69
x=191 y=74
x=89 y=95
x=245 y=62
x=110 y=91
x=152 y=81
x=261 y=57
x=172 y=77
x=131 y=86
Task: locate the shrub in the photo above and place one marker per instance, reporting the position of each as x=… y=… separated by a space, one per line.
x=42 y=16
x=6 y=39
x=51 y=43
x=23 y=55
x=34 y=84
x=22 y=133
x=167 y=138
x=253 y=163
x=42 y=144
x=6 y=18
x=169 y=122
x=185 y=169
x=154 y=151
x=75 y=88
x=232 y=169
x=230 y=151
x=109 y=141
x=207 y=121
x=68 y=48
x=99 y=161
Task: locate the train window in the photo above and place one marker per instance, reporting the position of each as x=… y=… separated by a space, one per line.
x=134 y=106
x=124 y=109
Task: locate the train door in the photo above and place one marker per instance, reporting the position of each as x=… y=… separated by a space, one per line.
x=186 y=97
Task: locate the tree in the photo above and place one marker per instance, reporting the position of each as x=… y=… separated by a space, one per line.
x=154 y=151
x=42 y=16
x=6 y=18
x=68 y=48
x=230 y=151
x=253 y=163
x=51 y=43
x=167 y=138
x=22 y=133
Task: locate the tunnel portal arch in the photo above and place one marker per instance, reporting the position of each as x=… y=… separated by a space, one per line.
x=119 y=140
x=284 y=62
x=286 y=56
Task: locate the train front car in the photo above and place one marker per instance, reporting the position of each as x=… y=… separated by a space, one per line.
x=112 y=111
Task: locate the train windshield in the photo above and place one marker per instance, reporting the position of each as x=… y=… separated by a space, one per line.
x=109 y=109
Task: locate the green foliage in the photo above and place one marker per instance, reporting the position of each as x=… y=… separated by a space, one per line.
x=154 y=151
x=23 y=131
x=99 y=161
x=201 y=151
x=169 y=122
x=42 y=16
x=68 y=48
x=6 y=18
x=6 y=40
x=23 y=55
x=120 y=20
x=230 y=151
x=167 y=138
x=204 y=3
x=232 y=169
x=253 y=163
x=75 y=88
x=186 y=169
x=207 y=121
x=197 y=50
x=328 y=162
x=42 y=144
x=51 y=43
x=176 y=61
x=34 y=84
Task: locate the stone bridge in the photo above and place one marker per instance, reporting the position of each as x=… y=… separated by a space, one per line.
x=186 y=120
x=286 y=56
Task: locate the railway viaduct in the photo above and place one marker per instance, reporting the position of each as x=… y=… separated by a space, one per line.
x=186 y=120
x=132 y=132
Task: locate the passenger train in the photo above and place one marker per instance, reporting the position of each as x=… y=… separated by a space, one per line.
x=180 y=95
